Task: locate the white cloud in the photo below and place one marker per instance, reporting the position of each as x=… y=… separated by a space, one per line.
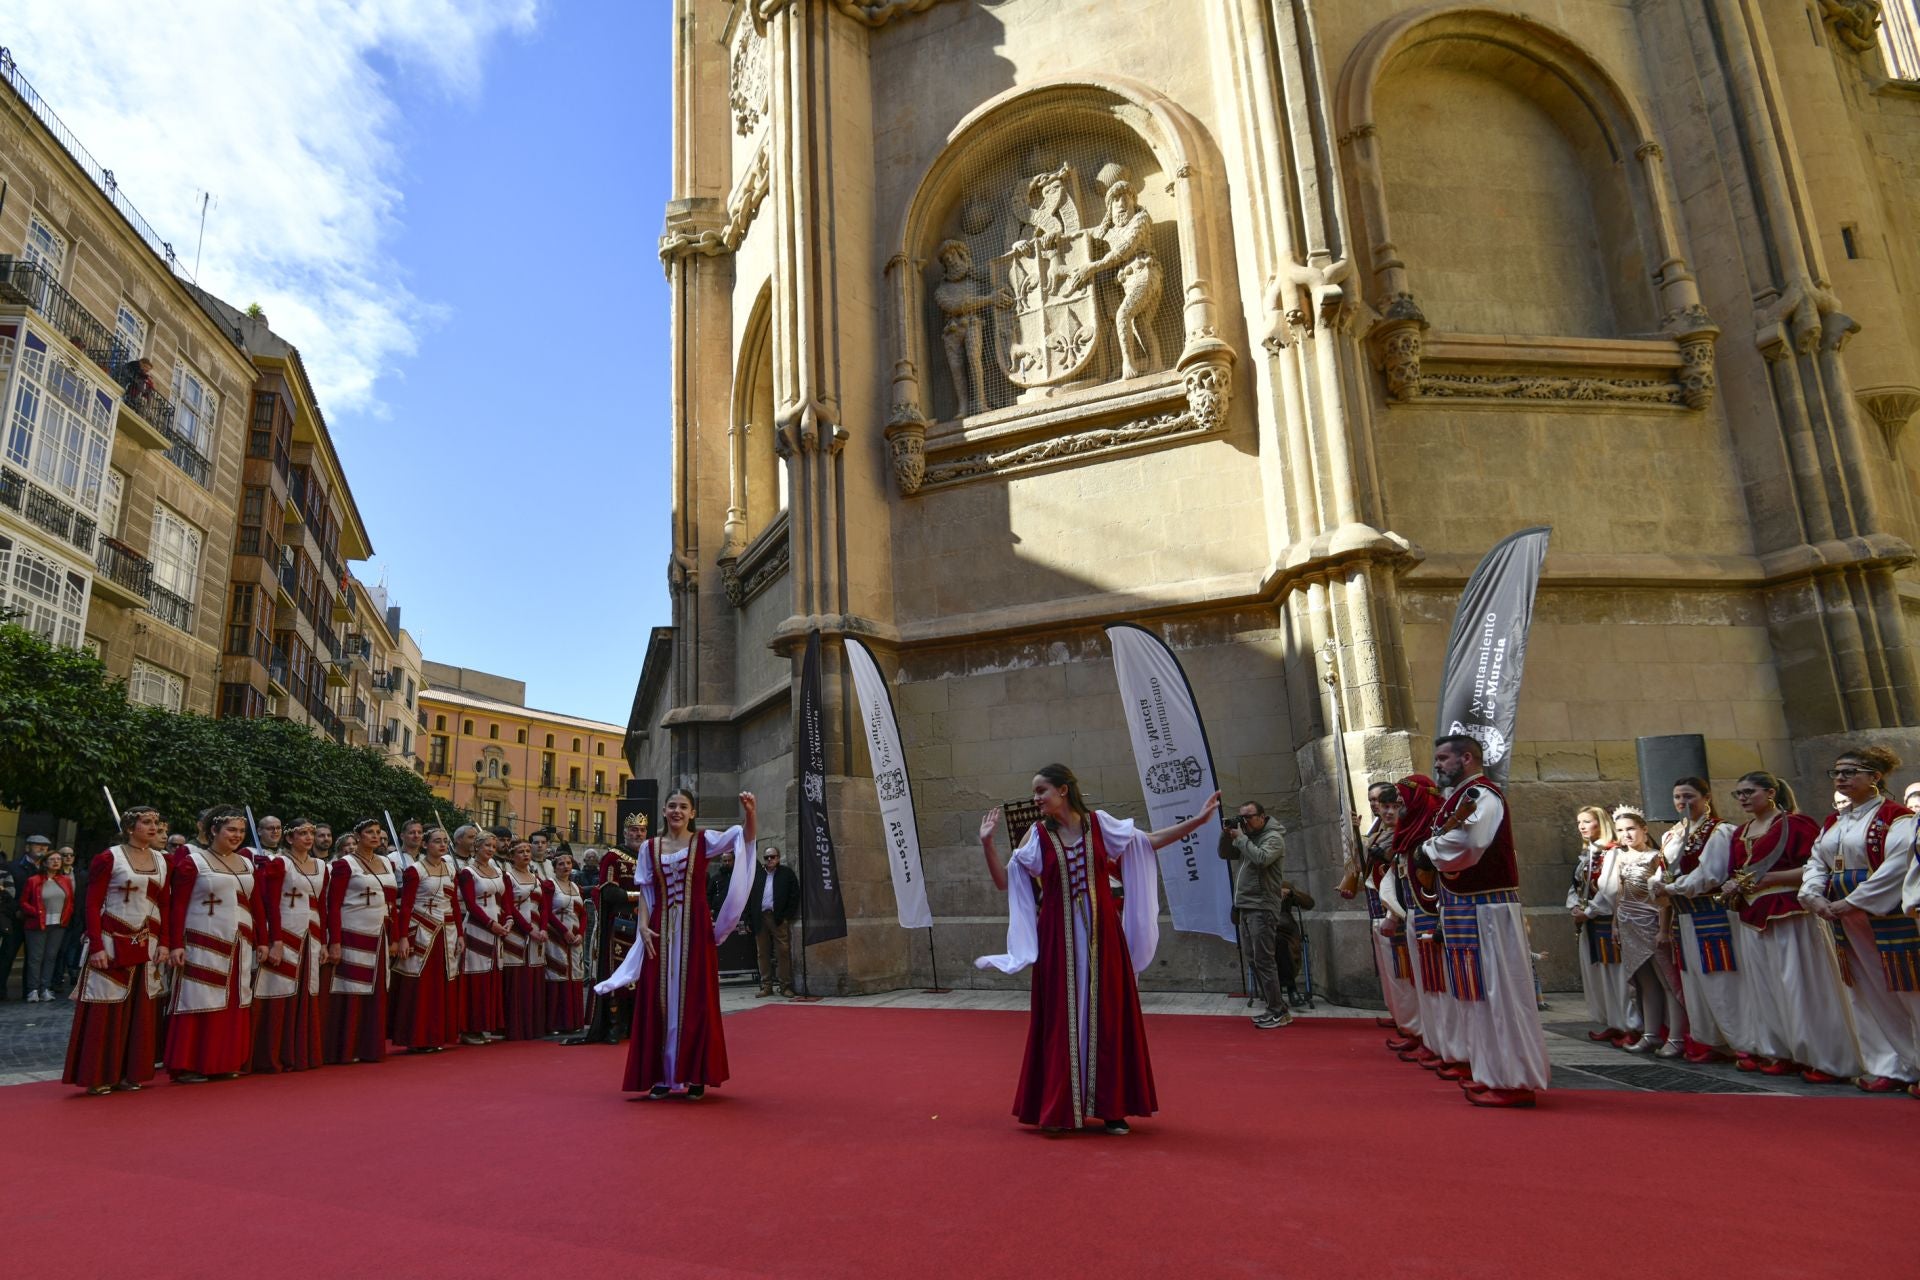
x=279 y=110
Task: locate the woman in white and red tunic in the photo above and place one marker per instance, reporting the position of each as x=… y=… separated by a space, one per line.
x=1791 y=961
x=424 y=1013
x=677 y=1041
x=1596 y=883
x=1086 y=1059
x=523 y=948
x=213 y=920
x=291 y=887
x=1853 y=880
x=482 y=884
x=362 y=892
x=116 y=1023
x=1392 y=961
x=1722 y=1001
x=563 y=916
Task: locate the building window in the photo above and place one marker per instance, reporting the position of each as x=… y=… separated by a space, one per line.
x=520 y=735
x=437 y=754
x=599 y=825
x=489 y=813
x=549 y=742
x=573 y=778
x=576 y=744
x=546 y=768
x=599 y=748
x=573 y=824
x=410 y=692
x=175 y=551
x=196 y=409
x=61 y=426
x=242 y=702
x=623 y=786
x=50 y=598
x=493 y=731
x=111 y=497
x=440 y=722
x=599 y=782
x=45 y=246
x=466 y=727
x=546 y=817
x=406 y=742
x=129 y=334
x=156 y=687
x=246 y=620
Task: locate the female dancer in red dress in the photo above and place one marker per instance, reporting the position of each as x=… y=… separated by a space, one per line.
x=1086 y=1059
x=213 y=919
x=482 y=884
x=425 y=1013
x=677 y=1041
x=116 y=1022
x=523 y=949
x=563 y=915
x=291 y=888
x=361 y=894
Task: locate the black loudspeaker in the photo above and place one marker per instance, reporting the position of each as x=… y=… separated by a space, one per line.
x=643 y=796
x=1663 y=761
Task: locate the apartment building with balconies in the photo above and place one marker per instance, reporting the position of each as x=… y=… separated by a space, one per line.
x=123 y=407
x=290 y=602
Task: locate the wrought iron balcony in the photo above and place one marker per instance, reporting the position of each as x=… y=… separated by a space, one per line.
x=190 y=460
x=141 y=401
x=44 y=509
x=174 y=610
x=125 y=575
x=32 y=285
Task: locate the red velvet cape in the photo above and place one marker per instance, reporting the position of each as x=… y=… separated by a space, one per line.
x=1122 y=1072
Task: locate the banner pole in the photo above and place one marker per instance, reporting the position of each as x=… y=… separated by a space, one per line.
x=933 y=955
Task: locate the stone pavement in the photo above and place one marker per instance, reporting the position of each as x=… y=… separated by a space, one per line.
x=33 y=1039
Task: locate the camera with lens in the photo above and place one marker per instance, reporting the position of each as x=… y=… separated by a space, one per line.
x=1230 y=822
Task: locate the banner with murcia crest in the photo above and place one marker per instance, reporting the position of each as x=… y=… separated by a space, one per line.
x=1176 y=776
x=892 y=785
x=823 y=909
x=1487 y=649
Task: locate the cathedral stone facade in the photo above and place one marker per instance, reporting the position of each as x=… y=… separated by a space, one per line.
x=1257 y=322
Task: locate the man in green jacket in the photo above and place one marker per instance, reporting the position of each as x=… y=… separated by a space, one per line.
x=1260 y=904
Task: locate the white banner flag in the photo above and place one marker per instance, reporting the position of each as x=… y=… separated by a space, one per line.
x=1176 y=775
x=890 y=781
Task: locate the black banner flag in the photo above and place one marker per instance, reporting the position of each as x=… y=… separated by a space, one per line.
x=1480 y=684
x=823 y=910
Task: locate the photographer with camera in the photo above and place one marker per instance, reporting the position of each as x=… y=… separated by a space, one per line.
x=1260 y=904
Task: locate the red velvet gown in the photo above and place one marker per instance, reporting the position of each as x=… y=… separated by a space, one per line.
x=424 y=1009
x=1053 y=1091
x=564 y=918
x=684 y=927
x=216 y=1040
x=286 y=1028
x=116 y=1013
x=523 y=961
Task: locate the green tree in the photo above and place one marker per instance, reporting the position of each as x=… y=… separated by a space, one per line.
x=66 y=728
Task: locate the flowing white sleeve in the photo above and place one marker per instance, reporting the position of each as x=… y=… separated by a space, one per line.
x=1132 y=849
x=1881 y=894
x=1462 y=847
x=1825 y=856
x=1716 y=861
x=1390 y=899
x=733 y=840
x=1023 y=913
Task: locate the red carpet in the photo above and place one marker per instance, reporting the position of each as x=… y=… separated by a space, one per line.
x=877 y=1141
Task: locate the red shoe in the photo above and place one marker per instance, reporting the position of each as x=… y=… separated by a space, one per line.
x=1386 y=1022
x=1813 y=1075
x=1454 y=1071
x=1779 y=1068
x=1700 y=1053
x=1427 y=1058
x=1501 y=1097
x=1882 y=1084
x=1404 y=1043
x=1599 y=1037
x=1747 y=1062
x=1914 y=1089
x=1472 y=1086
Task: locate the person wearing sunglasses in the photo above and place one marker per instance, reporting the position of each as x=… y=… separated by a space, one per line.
x=772 y=903
x=1854 y=880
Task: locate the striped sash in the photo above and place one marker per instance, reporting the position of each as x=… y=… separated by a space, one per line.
x=1433 y=966
x=1376 y=909
x=1713 y=938
x=1896 y=939
x=1602 y=946
x=1460 y=934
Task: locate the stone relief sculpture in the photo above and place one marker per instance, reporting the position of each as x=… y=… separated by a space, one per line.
x=963 y=303
x=1127 y=232
x=1048 y=336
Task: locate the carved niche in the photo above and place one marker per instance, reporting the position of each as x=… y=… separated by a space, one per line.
x=1052 y=297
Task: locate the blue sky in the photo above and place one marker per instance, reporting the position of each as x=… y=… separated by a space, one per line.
x=451 y=206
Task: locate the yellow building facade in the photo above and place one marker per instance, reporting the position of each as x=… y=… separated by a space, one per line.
x=506 y=763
